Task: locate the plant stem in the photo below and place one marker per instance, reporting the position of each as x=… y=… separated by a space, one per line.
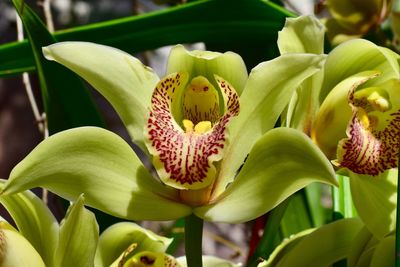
x=397 y=256
x=193 y=240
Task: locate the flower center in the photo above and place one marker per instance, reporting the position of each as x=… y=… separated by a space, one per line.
x=201 y=103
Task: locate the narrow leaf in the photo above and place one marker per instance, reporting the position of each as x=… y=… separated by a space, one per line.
x=241 y=22
x=59 y=87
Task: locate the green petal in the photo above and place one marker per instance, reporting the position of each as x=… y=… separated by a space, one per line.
x=356 y=16
x=115 y=239
x=384 y=251
x=283 y=161
x=15 y=250
x=324 y=246
x=362 y=249
x=230 y=66
x=210 y=261
x=282 y=249
x=123 y=80
x=34 y=221
x=356 y=56
x=101 y=165
x=335 y=113
x=268 y=90
x=79 y=234
x=304 y=34
x=376 y=195
x=338 y=34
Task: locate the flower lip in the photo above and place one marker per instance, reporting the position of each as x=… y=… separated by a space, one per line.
x=373 y=132
x=184 y=160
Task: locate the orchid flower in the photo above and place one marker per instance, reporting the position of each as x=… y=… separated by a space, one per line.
x=40 y=239
x=353 y=18
x=198 y=124
x=351 y=111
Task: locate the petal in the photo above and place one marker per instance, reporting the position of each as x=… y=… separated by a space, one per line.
x=184 y=160
x=283 y=161
x=334 y=114
x=148 y=258
x=362 y=248
x=116 y=238
x=123 y=80
x=230 y=66
x=337 y=240
x=101 y=165
x=282 y=249
x=355 y=56
x=268 y=91
x=356 y=16
x=79 y=234
x=15 y=250
x=304 y=34
x=210 y=261
x=34 y=221
x=373 y=134
x=384 y=251
x=378 y=196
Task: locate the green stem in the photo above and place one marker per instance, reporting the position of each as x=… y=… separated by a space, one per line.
x=193 y=240
x=397 y=256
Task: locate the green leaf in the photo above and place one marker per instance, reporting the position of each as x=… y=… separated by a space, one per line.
x=267 y=92
x=376 y=195
x=34 y=221
x=282 y=161
x=118 y=237
x=249 y=23
x=268 y=241
x=101 y=165
x=297 y=216
x=337 y=238
x=356 y=56
x=59 y=87
x=229 y=66
x=342 y=200
x=123 y=80
x=79 y=234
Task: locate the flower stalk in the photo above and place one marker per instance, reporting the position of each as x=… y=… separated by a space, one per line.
x=193 y=240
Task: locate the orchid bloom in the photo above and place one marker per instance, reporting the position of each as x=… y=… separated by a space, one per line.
x=40 y=239
x=353 y=18
x=351 y=110
x=198 y=124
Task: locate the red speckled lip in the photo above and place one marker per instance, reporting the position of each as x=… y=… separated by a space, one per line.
x=184 y=160
x=368 y=150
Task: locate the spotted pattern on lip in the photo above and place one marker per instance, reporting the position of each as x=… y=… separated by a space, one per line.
x=184 y=160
